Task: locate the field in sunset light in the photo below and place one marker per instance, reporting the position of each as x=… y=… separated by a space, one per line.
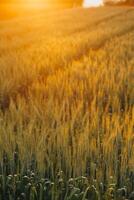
x=66 y=103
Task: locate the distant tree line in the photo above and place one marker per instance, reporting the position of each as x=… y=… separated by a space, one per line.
x=130 y=2
x=117 y=3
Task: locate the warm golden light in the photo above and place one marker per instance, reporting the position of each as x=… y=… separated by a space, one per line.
x=92 y=3
x=36 y=2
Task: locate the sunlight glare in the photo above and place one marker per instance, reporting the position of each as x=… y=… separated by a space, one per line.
x=92 y=3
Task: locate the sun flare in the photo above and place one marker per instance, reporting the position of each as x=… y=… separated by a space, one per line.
x=92 y=3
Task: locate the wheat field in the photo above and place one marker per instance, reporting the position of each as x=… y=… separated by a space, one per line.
x=67 y=92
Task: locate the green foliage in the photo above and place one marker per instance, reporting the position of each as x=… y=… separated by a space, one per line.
x=31 y=185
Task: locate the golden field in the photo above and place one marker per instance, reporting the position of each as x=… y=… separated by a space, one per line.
x=66 y=90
